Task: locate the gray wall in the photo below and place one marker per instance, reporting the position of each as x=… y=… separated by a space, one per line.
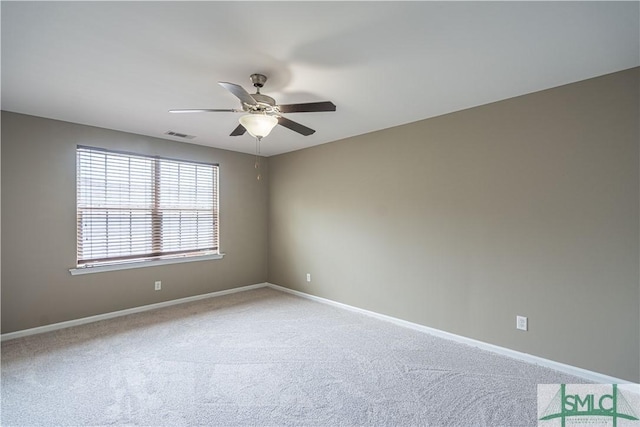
x=527 y=206
x=38 y=227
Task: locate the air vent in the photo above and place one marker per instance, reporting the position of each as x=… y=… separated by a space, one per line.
x=179 y=135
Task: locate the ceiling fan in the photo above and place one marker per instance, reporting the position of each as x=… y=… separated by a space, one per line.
x=263 y=112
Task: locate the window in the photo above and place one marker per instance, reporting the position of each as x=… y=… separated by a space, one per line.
x=140 y=208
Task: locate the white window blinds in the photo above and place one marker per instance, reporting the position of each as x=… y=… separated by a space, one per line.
x=132 y=207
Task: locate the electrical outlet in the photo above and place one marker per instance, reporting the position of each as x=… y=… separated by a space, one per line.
x=158 y=285
x=521 y=323
x=308 y=277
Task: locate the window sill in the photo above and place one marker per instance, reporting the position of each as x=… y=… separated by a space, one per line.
x=140 y=264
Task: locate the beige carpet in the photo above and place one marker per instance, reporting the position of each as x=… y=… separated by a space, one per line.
x=261 y=358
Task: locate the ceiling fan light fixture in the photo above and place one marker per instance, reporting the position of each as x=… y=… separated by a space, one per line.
x=258 y=125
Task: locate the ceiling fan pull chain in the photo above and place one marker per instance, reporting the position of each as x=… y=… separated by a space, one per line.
x=257 y=163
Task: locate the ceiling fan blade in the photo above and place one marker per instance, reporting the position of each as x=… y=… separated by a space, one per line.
x=239 y=91
x=309 y=107
x=206 y=110
x=296 y=127
x=240 y=130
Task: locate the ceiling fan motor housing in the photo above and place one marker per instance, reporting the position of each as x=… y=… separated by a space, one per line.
x=266 y=103
x=264 y=100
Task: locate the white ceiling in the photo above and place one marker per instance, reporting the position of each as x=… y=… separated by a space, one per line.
x=122 y=65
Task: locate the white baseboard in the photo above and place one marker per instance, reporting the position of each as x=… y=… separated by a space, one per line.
x=525 y=357
x=105 y=316
x=529 y=358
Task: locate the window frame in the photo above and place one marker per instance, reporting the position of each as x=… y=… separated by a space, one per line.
x=154 y=257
